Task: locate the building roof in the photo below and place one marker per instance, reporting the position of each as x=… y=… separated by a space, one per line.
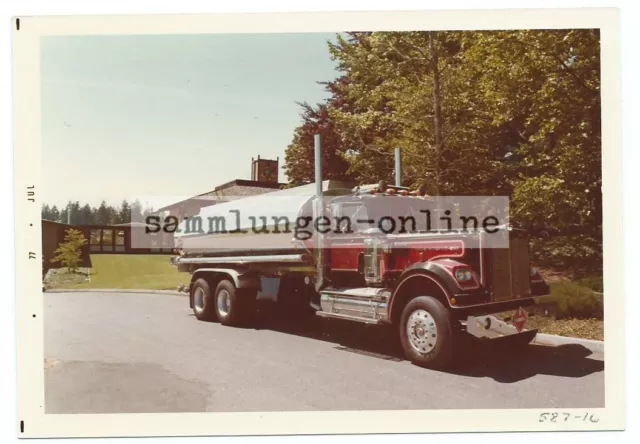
x=133 y=224
x=203 y=196
x=56 y=222
x=247 y=185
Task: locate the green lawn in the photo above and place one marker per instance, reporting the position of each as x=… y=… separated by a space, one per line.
x=143 y=271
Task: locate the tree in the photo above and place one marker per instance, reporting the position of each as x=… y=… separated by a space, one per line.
x=510 y=113
x=113 y=216
x=75 y=213
x=300 y=159
x=102 y=215
x=437 y=111
x=148 y=211
x=55 y=214
x=398 y=91
x=551 y=95
x=125 y=212
x=64 y=213
x=136 y=211
x=86 y=215
x=68 y=253
x=46 y=212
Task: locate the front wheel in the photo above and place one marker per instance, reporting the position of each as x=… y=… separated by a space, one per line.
x=425 y=332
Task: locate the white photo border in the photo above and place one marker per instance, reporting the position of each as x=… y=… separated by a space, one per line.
x=28 y=167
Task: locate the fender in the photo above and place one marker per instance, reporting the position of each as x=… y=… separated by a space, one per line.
x=443 y=270
x=441 y=273
x=418 y=270
x=241 y=278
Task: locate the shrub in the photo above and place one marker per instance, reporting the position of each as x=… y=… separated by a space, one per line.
x=69 y=252
x=595 y=283
x=575 y=301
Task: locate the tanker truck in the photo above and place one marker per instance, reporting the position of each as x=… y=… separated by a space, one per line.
x=365 y=254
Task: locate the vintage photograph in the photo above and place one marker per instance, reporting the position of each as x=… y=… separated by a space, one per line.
x=233 y=121
x=323 y=221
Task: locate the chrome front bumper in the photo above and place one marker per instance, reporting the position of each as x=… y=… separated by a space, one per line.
x=489 y=326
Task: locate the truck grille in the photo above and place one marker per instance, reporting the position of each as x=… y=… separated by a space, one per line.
x=509 y=274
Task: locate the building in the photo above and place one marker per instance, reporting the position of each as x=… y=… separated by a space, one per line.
x=134 y=238
x=128 y=238
x=264 y=170
x=264 y=179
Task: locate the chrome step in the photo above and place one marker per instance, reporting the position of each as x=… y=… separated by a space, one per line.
x=325 y=314
x=366 y=304
x=365 y=293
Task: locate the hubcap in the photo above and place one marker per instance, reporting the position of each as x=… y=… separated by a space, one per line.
x=224 y=302
x=198 y=299
x=422 y=331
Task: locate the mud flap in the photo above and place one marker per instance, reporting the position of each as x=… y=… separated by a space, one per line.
x=269 y=288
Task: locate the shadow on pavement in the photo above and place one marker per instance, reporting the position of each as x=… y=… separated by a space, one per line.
x=506 y=364
x=500 y=360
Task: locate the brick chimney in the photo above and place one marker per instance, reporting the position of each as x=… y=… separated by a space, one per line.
x=264 y=170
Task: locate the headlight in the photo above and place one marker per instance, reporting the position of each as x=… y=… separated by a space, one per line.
x=463 y=275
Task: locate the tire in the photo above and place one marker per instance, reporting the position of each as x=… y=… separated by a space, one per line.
x=234 y=306
x=203 y=304
x=425 y=333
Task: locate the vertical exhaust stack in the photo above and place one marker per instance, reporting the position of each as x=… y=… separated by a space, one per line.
x=318 y=211
x=398 y=168
x=318 y=164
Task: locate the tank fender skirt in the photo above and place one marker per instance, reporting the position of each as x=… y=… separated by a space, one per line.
x=240 y=278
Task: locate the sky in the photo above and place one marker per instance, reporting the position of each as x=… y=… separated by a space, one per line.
x=170 y=116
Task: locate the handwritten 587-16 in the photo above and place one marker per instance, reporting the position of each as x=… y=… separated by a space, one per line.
x=565 y=417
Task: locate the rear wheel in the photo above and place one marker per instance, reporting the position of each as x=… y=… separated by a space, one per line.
x=234 y=306
x=425 y=332
x=203 y=304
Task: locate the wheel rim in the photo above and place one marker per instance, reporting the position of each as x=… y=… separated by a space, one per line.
x=198 y=299
x=224 y=302
x=422 y=331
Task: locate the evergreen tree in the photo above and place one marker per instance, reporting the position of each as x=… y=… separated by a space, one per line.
x=136 y=211
x=113 y=216
x=75 y=211
x=63 y=215
x=86 y=215
x=125 y=212
x=46 y=212
x=55 y=214
x=102 y=214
